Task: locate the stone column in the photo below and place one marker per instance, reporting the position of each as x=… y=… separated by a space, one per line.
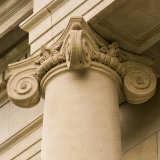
x=83 y=79
x=81 y=113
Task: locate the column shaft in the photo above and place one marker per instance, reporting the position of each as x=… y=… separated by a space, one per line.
x=81 y=117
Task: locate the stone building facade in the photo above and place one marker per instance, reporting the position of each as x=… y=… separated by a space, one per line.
x=79 y=80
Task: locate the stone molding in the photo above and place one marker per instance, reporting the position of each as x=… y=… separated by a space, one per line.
x=130 y=39
x=33 y=20
x=15 y=16
x=15 y=9
x=38 y=122
x=77 y=48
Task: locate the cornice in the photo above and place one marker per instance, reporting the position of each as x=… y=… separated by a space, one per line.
x=80 y=47
x=21 y=12
x=39 y=16
x=15 y=9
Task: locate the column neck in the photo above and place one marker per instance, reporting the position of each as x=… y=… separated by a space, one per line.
x=94 y=66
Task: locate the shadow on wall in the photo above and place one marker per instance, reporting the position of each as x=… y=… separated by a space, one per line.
x=139 y=121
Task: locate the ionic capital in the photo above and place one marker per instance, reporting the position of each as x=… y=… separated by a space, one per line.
x=80 y=47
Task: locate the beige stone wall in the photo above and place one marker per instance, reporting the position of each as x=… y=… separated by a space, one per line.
x=30 y=148
x=27 y=148
x=13 y=118
x=21 y=131
x=139 y=121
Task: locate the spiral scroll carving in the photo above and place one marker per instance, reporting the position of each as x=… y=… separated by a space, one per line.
x=139 y=82
x=23 y=90
x=77 y=47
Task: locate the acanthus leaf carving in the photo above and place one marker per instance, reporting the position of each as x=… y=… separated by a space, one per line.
x=49 y=59
x=109 y=56
x=45 y=54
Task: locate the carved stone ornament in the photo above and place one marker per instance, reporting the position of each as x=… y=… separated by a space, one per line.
x=139 y=82
x=23 y=87
x=78 y=47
